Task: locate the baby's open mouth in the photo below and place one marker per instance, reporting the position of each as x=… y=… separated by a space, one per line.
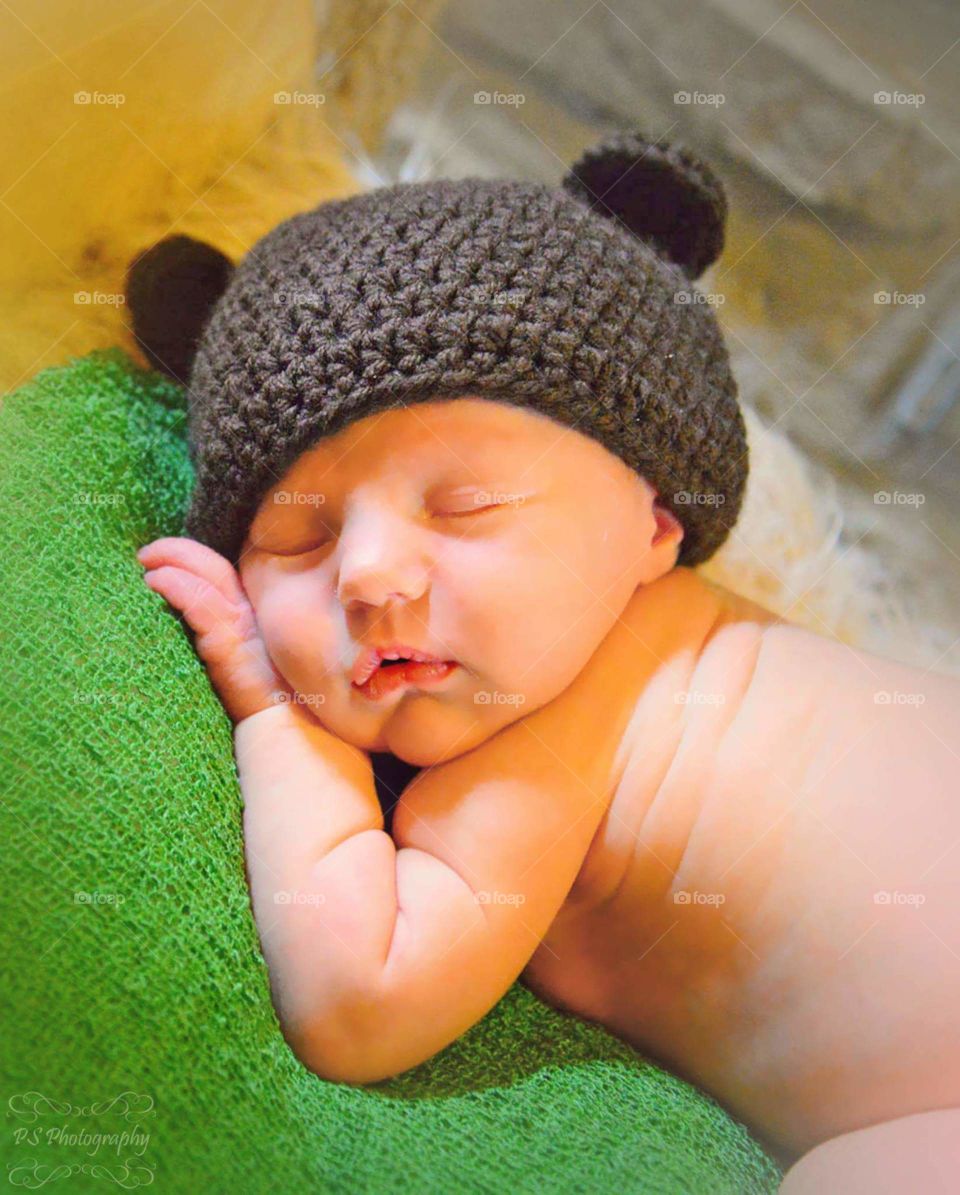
x=379 y=671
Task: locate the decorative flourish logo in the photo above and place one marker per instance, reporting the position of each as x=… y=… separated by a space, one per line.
x=31 y=1105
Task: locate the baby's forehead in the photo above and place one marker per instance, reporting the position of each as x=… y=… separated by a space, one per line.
x=459 y=443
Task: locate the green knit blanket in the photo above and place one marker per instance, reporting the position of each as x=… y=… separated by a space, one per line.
x=140 y=1045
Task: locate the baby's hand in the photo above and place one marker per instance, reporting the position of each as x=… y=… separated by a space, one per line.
x=205 y=588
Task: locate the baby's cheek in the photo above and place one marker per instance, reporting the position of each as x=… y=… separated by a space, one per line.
x=298 y=631
x=514 y=628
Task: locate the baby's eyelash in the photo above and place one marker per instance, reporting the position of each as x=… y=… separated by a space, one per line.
x=298 y=551
x=454 y=514
x=436 y=514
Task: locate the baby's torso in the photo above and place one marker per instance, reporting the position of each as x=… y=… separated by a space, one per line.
x=729 y=917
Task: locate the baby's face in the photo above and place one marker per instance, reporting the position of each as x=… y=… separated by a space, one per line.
x=469 y=529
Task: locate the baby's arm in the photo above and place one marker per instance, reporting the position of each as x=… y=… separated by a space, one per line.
x=390 y=948
x=383 y=951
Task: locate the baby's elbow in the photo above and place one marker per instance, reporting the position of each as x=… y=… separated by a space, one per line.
x=352 y=1048
x=340 y=1063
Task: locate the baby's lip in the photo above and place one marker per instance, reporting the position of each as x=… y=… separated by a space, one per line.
x=368 y=659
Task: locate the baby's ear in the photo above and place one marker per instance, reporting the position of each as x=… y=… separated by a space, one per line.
x=662 y=193
x=171 y=289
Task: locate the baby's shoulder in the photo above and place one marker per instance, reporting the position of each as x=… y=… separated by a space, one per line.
x=671 y=676
x=674 y=633
x=688 y=651
x=682 y=618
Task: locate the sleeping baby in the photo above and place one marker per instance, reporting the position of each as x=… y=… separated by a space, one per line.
x=459 y=448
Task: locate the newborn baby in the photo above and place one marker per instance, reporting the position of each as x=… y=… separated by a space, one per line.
x=723 y=837
x=686 y=840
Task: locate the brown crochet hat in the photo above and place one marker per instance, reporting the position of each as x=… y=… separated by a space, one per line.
x=572 y=300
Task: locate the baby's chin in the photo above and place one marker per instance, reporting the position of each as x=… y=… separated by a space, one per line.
x=424 y=730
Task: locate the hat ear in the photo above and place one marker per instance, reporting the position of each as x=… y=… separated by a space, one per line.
x=663 y=193
x=171 y=289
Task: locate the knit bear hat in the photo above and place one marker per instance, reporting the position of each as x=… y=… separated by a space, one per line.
x=572 y=300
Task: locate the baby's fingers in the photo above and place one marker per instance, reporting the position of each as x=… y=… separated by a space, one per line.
x=227 y=640
x=189 y=554
x=202 y=604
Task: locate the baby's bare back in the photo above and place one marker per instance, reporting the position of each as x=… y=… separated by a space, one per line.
x=770 y=905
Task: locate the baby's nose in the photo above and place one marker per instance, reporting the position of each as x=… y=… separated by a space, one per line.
x=379 y=564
